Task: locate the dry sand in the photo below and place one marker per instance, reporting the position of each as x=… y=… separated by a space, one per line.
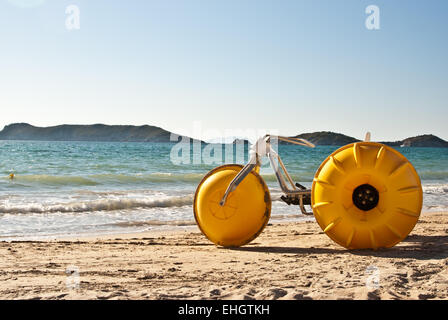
x=288 y=261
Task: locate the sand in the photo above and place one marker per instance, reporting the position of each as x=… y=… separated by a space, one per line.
x=288 y=261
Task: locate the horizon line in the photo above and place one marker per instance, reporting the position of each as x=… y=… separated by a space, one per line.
x=224 y=137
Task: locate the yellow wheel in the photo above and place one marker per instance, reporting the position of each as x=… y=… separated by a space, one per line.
x=366 y=195
x=245 y=213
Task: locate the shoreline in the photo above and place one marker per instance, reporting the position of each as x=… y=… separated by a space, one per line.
x=162 y=228
x=293 y=260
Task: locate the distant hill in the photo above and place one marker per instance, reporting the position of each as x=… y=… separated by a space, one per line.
x=327 y=138
x=426 y=140
x=95 y=132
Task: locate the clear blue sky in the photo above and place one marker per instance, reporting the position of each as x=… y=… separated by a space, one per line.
x=296 y=66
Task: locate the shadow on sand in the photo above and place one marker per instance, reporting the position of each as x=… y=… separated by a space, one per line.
x=413 y=247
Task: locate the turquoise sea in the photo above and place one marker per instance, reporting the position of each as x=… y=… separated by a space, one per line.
x=76 y=188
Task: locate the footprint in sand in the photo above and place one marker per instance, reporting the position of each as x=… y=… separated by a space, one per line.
x=112 y=295
x=302 y=296
x=215 y=292
x=426 y=296
x=373 y=295
x=278 y=293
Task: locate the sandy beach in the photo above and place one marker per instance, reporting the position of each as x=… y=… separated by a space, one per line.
x=288 y=261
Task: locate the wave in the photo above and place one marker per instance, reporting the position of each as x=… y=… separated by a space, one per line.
x=120 y=201
x=156 y=177
x=54 y=180
x=433 y=175
x=104 y=179
x=177 y=223
x=435 y=188
x=183 y=223
x=99 y=205
x=99 y=179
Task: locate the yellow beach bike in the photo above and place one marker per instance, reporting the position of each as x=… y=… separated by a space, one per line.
x=364 y=195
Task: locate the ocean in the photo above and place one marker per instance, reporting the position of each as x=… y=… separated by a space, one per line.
x=92 y=188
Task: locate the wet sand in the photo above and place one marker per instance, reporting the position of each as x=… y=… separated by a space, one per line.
x=287 y=261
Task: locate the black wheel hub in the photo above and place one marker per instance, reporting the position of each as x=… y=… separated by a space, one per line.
x=365 y=197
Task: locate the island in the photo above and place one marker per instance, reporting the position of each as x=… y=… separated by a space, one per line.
x=426 y=140
x=95 y=132
x=327 y=138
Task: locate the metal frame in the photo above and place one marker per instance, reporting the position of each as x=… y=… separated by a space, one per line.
x=263 y=148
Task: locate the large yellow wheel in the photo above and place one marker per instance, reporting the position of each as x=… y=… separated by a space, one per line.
x=245 y=213
x=366 y=195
